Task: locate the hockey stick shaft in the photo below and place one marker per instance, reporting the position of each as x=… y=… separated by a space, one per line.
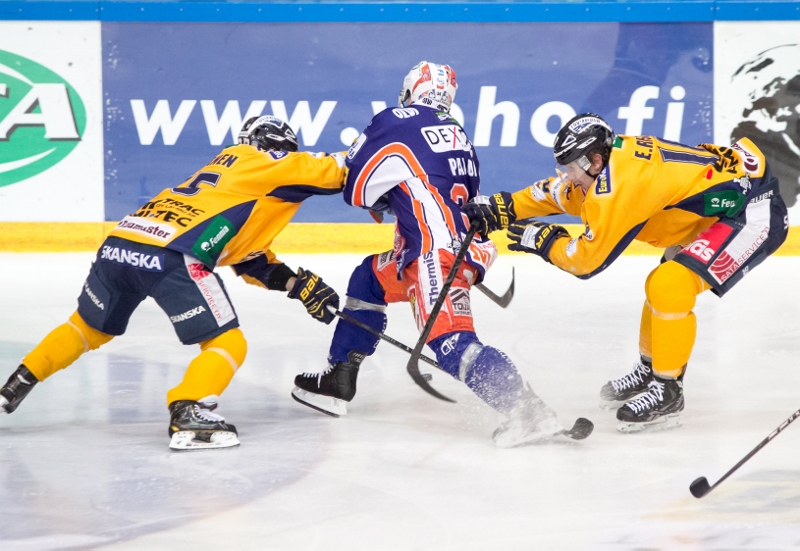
x=755 y=450
x=502 y=301
x=413 y=363
x=350 y=319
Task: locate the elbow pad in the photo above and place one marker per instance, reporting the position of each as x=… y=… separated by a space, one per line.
x=272 y=276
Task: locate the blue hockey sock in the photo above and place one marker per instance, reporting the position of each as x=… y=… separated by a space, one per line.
x=487 y=371
x=349 y=337
x=495 y=379
x=366 y=303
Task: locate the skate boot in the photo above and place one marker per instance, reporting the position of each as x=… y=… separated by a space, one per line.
x=531 y=421
x=618 y=391
x=16 y=388
x=329 y=391
x=195 y=426
x=659 y=408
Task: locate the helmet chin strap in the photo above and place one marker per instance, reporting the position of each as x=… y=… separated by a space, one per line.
x=594 y=176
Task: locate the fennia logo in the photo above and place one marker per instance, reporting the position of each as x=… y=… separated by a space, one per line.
x=42 y=118
x=216 y=235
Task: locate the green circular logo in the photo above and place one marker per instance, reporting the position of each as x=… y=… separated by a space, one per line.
x=42 y=118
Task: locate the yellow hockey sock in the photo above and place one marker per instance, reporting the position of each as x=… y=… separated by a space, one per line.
x=62 y=346
x=646 y=332
x=212 y=370
x=672 y=291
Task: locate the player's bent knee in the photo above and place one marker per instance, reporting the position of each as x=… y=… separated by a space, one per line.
x=456 y=352
x=672 y=289
x=92 y=338
x=364 y=284
x=231 y=345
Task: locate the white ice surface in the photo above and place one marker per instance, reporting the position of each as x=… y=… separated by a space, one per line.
x=84 y=462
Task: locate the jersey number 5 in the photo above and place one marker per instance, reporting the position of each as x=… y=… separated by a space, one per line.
x=210 y=178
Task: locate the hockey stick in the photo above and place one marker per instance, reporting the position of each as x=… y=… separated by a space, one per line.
x=502 y=301
x=413 y=363
x=350 y=319
x=700 y=486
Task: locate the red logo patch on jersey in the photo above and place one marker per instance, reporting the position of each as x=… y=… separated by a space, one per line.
x=197 y=271
x=723 y=267
x=751 y=164
x=708 y=242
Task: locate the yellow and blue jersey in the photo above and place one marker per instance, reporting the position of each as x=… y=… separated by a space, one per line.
x=230 y=210
x=653 y=190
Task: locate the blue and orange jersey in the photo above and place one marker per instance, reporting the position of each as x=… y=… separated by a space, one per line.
x=419 y=162
x=653 y=190
x=230 y=210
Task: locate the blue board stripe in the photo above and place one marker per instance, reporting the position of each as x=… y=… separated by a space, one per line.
x=358 y=12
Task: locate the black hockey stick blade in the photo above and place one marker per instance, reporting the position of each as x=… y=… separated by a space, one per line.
x=700 y=487
x=504 y=300
x=413 y=362
x=580 y=430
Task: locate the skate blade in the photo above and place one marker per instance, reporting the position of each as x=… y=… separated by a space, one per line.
x=185 y=440
x=324 y=404
x=663 y=423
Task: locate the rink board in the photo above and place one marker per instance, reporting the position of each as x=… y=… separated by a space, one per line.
x=152 y=97
x=297 y=238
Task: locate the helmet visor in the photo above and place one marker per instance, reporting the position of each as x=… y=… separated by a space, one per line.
x=574 y=170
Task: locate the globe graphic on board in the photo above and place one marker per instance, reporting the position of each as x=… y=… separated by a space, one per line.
x=769 y=88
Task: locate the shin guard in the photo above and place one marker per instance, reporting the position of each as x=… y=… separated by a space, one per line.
x=62 y=346
x=366 y=302
x=672 y=291
x=487 y=371
x=213 y=369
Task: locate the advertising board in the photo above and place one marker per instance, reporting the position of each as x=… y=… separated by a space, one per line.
x=51 y=167
x=757 y=94
x=176 y=93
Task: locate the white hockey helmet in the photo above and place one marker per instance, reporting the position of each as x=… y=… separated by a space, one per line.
x=430 y=84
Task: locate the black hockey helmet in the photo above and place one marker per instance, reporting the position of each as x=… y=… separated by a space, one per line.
x=583 y=134
x=268 y=133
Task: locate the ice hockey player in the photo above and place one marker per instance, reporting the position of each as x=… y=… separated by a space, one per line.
x=715 y=210
x=416 y=162
x=226 y=214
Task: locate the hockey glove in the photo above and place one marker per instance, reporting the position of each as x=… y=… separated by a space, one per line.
x=381 y=208
x=536 y=238
x=491 y=213
x=315 y=295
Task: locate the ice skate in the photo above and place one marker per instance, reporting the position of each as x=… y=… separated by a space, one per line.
x=329 y=391
x=657 y=409
x=530 y=422
x=16 y=388
x=618 y=391
x=195 y=426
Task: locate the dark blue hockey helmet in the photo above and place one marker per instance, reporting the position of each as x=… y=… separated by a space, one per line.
x=581 y=136
x=268 y=133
